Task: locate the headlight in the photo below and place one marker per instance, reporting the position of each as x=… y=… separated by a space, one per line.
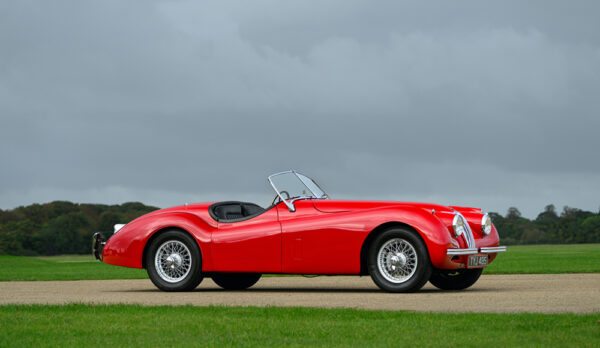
x=486 y=224
x=458 y=224
x=118 y=227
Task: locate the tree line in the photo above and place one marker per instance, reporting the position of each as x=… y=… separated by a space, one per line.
x=61 y=227
x=571 y=226
x=66 y=228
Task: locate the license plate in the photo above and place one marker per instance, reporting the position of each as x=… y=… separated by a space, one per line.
x=478 y=261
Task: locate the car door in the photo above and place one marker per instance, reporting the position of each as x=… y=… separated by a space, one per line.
x=314 y=242
x=252 y=245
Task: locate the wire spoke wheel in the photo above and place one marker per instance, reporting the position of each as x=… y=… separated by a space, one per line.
x=173 y=261
x=397 y=260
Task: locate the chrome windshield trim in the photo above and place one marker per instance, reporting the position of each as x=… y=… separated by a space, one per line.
x=299 y=198
x=290 y=204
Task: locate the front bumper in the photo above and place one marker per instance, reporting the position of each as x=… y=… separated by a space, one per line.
x=473 y=251
x=98 y=243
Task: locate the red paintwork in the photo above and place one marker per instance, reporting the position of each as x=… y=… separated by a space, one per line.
x=320 y=237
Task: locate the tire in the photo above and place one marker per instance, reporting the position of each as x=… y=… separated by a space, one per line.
x=174 y=261
x=405 y=270
x=455 y=279
x=236 y=281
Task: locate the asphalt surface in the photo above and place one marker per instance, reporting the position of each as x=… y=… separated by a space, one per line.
x=551 y=293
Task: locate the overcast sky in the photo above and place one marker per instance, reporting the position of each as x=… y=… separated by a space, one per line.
x=486 y=104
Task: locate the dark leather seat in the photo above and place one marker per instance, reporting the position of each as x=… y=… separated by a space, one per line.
x=229 y=211
x=234 y=211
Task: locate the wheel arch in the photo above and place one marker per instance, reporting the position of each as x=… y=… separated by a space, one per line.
x=161 y=231
x=364 y=250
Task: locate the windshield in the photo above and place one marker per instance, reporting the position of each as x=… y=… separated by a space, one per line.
x=291 y=185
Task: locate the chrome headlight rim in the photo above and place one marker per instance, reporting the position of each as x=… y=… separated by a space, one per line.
x=458 y=224
x=486 y=224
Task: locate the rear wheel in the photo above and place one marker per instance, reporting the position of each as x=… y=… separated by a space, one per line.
x=236 y=281
x=174 y=262
x=398 y=261
x=456 y=279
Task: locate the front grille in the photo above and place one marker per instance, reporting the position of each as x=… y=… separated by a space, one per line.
x=468 y=235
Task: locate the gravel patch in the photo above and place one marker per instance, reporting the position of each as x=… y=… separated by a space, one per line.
x=541 y=293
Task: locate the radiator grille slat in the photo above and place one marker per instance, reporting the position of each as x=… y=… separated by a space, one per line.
x=468 y=235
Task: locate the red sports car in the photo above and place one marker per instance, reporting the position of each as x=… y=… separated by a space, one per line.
x=400 y=245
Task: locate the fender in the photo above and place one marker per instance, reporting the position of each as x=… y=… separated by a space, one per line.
x=432 y=230
x=126 y=247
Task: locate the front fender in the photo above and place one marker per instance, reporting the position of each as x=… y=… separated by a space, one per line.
x=431 y=229
x=126 y=247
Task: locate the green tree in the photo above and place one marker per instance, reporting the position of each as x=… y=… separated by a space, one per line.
x=108 y=219
x=591 y=228
x=10 y=243
x=66 y=234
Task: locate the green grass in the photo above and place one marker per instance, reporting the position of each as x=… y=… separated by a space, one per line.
x=71 y=267
x=128 y=325
x=579 y=258
x=566 y=258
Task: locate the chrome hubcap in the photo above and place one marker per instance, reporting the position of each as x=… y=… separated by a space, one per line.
x=173 y=261
x=397 y=260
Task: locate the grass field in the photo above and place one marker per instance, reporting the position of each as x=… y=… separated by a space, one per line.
x=545 y=259
x=580 y=258
x=73 y=267
x=125 y=325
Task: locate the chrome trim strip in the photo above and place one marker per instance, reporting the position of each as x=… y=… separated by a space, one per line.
x=489 y=250
x=469 y=251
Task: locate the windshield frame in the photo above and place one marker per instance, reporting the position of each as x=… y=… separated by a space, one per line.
x=290 y=203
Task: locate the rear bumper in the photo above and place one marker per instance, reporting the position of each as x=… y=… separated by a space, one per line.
x=473 y=251
x=98 y=243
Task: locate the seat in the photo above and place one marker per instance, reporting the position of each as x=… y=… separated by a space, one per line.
x=229 y=211
x=234 y=211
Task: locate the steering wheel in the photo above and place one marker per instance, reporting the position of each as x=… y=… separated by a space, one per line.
x=277 y=199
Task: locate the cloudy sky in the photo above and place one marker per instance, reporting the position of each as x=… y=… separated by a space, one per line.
x=487 y=104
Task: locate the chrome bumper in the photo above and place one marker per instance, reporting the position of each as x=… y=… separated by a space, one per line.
x=472 y=251
x=98 y=242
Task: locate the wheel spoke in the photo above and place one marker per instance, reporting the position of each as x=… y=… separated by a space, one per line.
x=397 y=260
x=173 y=261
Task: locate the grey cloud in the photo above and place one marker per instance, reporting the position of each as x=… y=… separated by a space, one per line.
x=445 y=101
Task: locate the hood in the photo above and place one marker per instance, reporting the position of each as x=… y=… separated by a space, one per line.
x=338 y=206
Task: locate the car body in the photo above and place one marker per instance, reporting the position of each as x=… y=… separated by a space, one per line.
x=401 y=245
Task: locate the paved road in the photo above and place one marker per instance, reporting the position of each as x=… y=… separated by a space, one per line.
x=565 y=293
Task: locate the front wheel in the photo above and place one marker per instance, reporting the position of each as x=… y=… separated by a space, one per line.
x=398 y=261
x=174 y=262
x=236 y=281
x=455 y=280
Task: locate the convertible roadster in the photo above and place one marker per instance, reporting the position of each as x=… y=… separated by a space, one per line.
x=400 y=245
